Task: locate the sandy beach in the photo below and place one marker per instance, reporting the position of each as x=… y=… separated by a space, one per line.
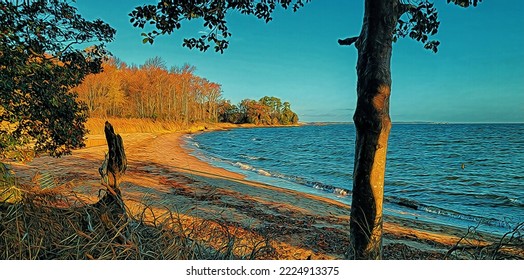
x=163 y=175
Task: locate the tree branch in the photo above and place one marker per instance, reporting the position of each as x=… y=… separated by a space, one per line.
x=404 y=8
x=347 y=41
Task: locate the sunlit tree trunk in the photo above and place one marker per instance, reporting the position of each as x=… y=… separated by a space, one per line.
x=185 y=102
x=372 y=124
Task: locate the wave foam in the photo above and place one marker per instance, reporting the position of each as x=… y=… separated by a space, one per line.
x=243 y=166
x=415 y=205
x=251 y=157
x=264 y=172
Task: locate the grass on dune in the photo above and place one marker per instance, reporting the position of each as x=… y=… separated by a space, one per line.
x=135 y=125
x=46 y=224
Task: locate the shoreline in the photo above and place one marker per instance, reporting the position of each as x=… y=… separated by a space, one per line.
x=492 y=230
x=164 y=175
x=415 y=233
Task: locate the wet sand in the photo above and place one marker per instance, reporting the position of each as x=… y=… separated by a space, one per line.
x=164 y=175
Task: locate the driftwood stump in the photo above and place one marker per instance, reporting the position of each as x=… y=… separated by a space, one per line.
x=112 y=209
x=115 y=163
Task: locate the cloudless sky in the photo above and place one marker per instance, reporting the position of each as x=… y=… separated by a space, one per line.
x=477 y=75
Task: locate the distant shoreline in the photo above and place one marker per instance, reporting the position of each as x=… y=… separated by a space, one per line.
x=132 y=125
x=416 y=122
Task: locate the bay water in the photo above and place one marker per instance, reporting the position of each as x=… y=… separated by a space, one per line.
x=456 y=174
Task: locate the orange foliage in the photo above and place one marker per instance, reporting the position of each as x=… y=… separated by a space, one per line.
x=151 y=91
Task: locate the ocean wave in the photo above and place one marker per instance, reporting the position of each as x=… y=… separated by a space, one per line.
x=264 y=172
x=327 y=188
x=252 y=157
x=515 y=201
x=496 y=200
x=243 y=166
x=461 y=216
x=341 y=192
x=415 y=205
x=403 y=202
x=400 y=201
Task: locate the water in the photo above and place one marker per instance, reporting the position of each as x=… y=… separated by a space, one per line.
x=457 y=174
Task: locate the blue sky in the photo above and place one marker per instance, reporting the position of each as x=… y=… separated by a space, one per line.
x=477 y=75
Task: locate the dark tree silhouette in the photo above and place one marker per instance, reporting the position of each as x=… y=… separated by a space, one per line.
x=385 y=21
x=39 y=64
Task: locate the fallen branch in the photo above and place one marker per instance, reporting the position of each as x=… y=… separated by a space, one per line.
x=504 y=248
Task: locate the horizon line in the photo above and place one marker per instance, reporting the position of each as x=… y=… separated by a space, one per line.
x=410 y=122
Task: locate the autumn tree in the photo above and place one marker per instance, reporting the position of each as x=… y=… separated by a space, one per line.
x=266 y=111
x=227 y=112
x=150 y=91
x=385 y=21
x=287 y=116
x=41 y=59
x=213 y=97
x=279 y=113
x=103 y=93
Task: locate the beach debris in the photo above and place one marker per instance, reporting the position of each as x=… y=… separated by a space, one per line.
x=111 y=205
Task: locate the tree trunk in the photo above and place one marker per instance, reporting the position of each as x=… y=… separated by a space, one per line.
x=372 y=124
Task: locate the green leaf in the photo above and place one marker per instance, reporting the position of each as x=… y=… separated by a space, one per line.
x=38 y=90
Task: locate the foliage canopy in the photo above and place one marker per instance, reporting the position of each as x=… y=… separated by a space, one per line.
x=40 y=61
x=269 y=110
x=417 y=19
x=152 y=91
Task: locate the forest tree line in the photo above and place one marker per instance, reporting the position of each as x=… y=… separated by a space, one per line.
x=177 y=94
x=266 y=111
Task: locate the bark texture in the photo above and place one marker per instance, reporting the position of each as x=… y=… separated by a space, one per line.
x=372 y=124
x=112 y=209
